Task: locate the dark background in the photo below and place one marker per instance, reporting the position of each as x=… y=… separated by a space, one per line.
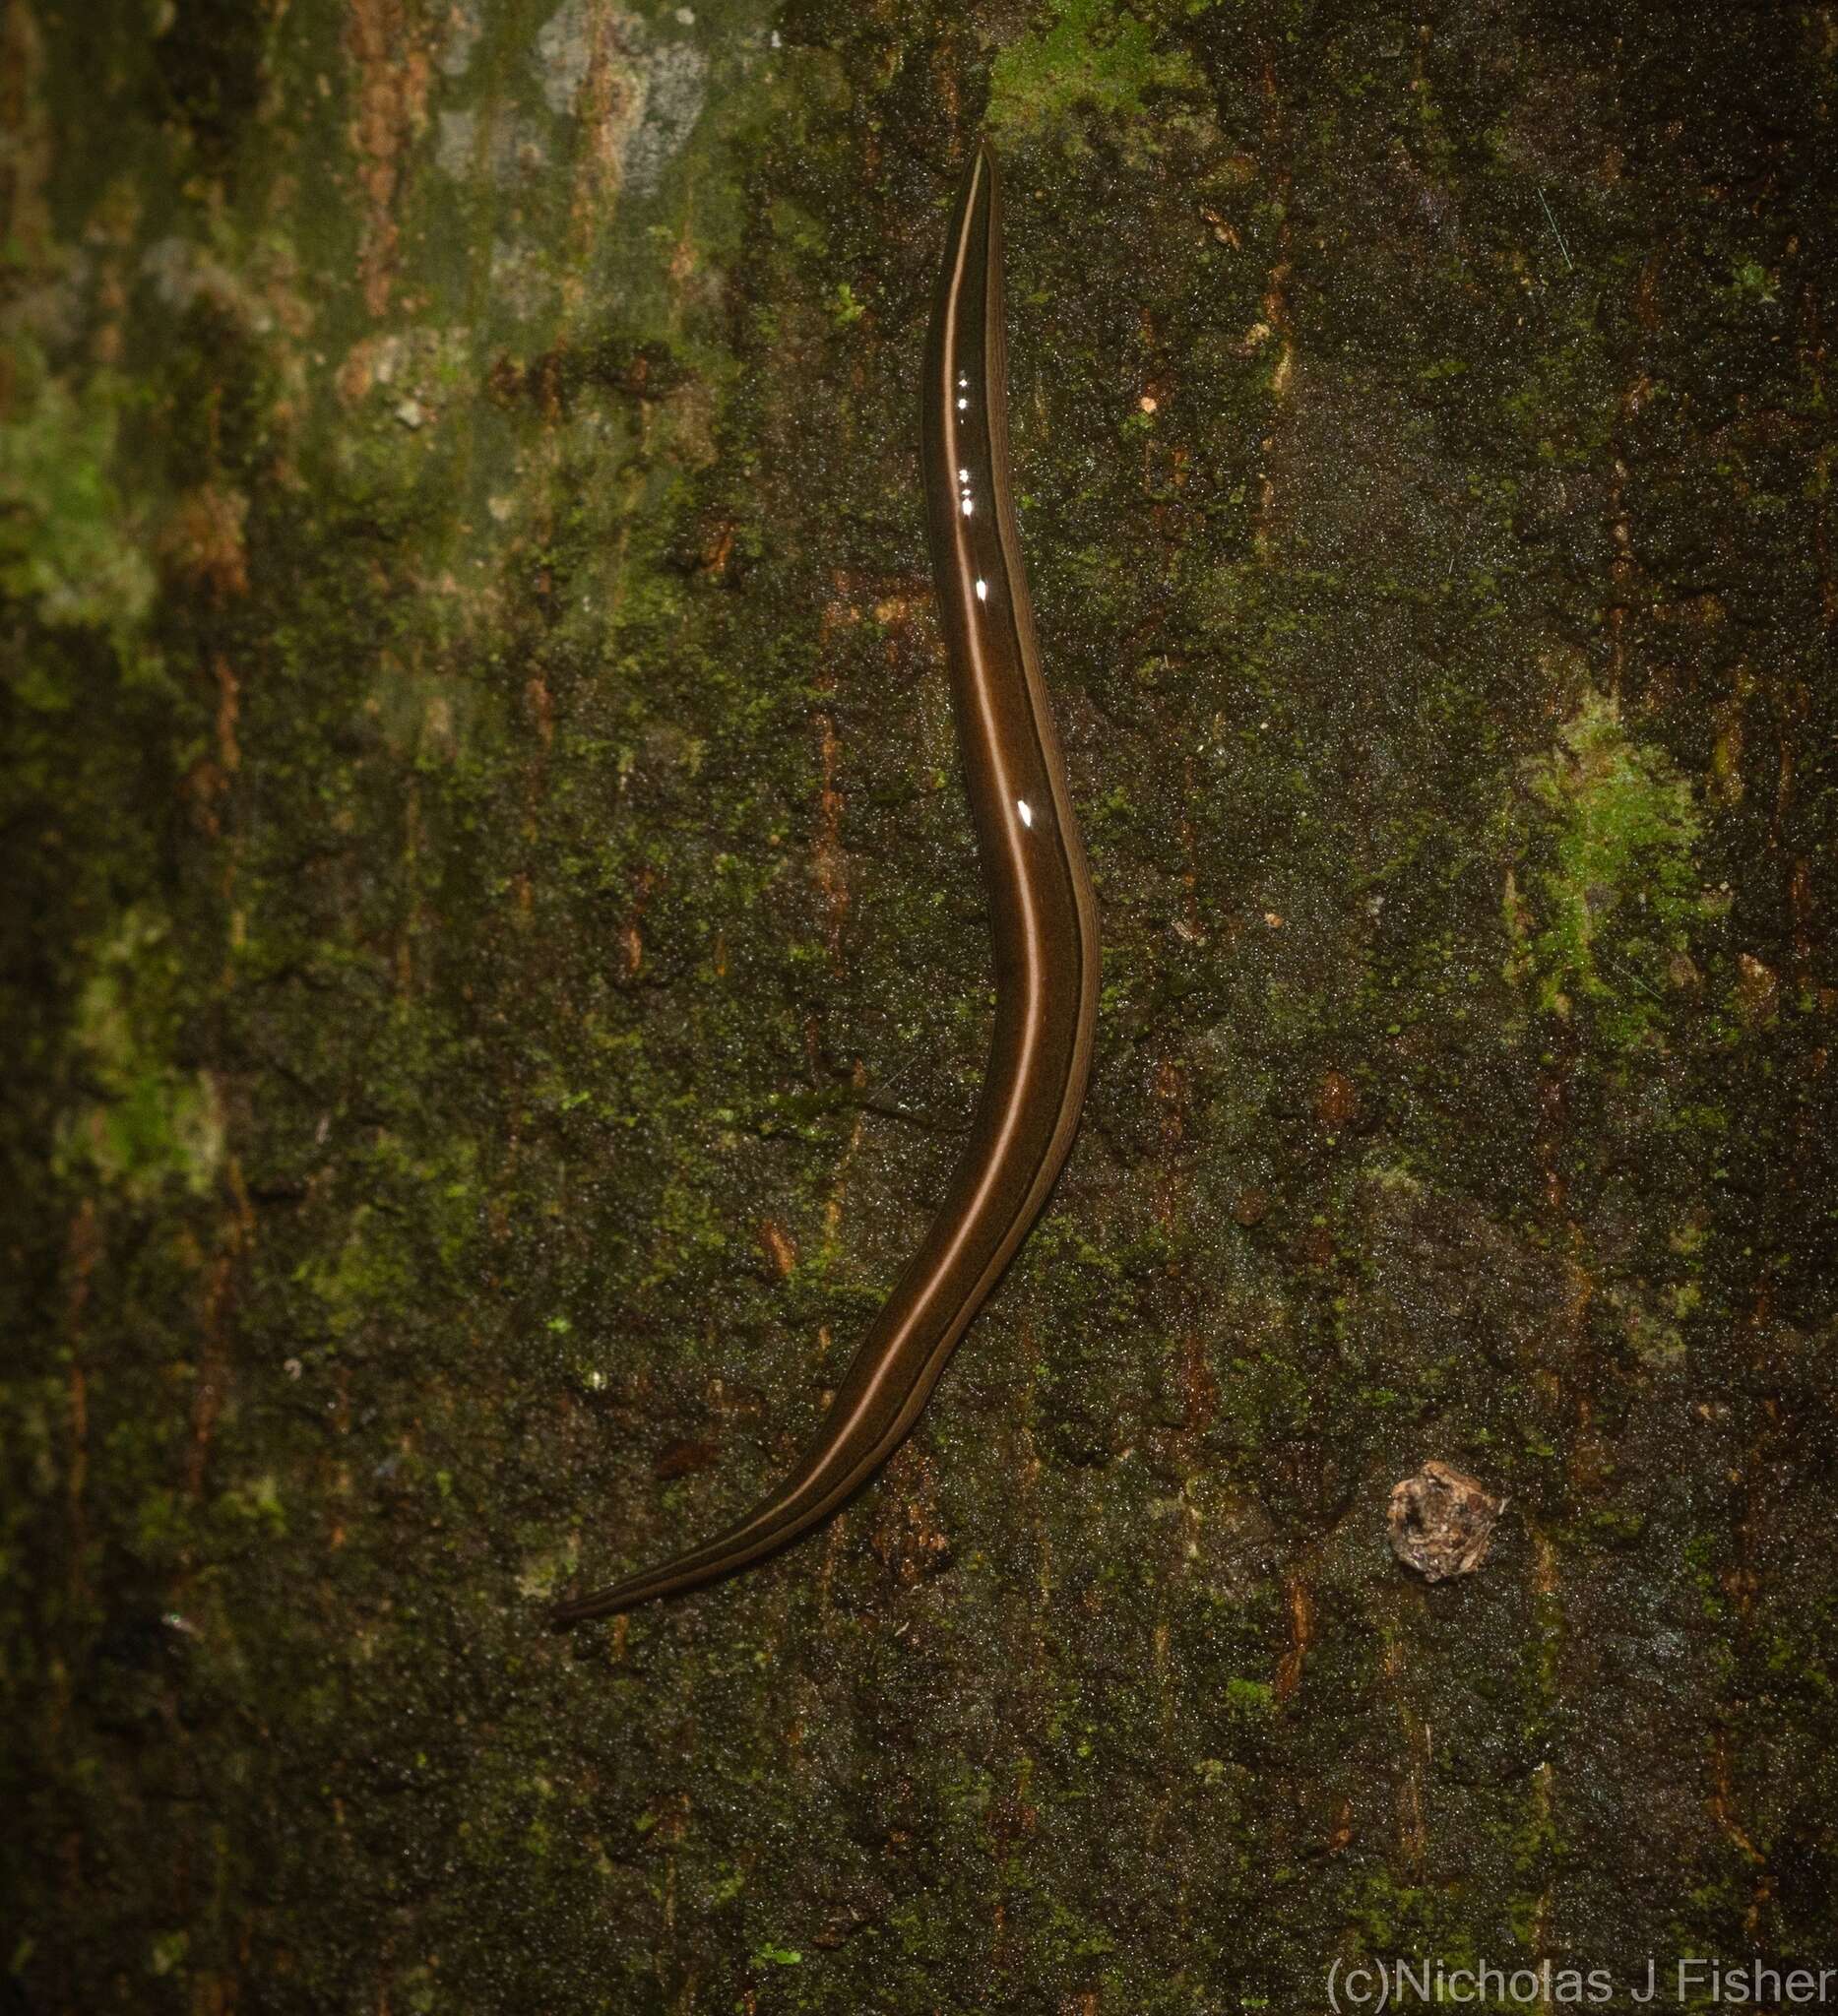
x=495 y=973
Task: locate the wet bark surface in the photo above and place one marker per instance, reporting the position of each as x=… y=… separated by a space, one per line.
x=497 y=978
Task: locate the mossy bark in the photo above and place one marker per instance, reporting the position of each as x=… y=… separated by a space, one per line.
x=497 y=975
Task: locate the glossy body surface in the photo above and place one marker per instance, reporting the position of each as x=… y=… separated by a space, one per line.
x=1043 y=918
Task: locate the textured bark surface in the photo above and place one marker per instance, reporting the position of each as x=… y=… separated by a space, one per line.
x=495 y=972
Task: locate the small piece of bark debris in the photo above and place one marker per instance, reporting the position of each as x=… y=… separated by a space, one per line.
x=1441 y=1522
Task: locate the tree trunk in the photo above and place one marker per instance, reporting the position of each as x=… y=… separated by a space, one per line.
x=498 y=977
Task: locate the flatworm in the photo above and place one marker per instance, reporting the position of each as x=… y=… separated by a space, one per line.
x=1042 y=917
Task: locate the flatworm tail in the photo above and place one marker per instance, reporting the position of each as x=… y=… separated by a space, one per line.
x=1043 y=919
